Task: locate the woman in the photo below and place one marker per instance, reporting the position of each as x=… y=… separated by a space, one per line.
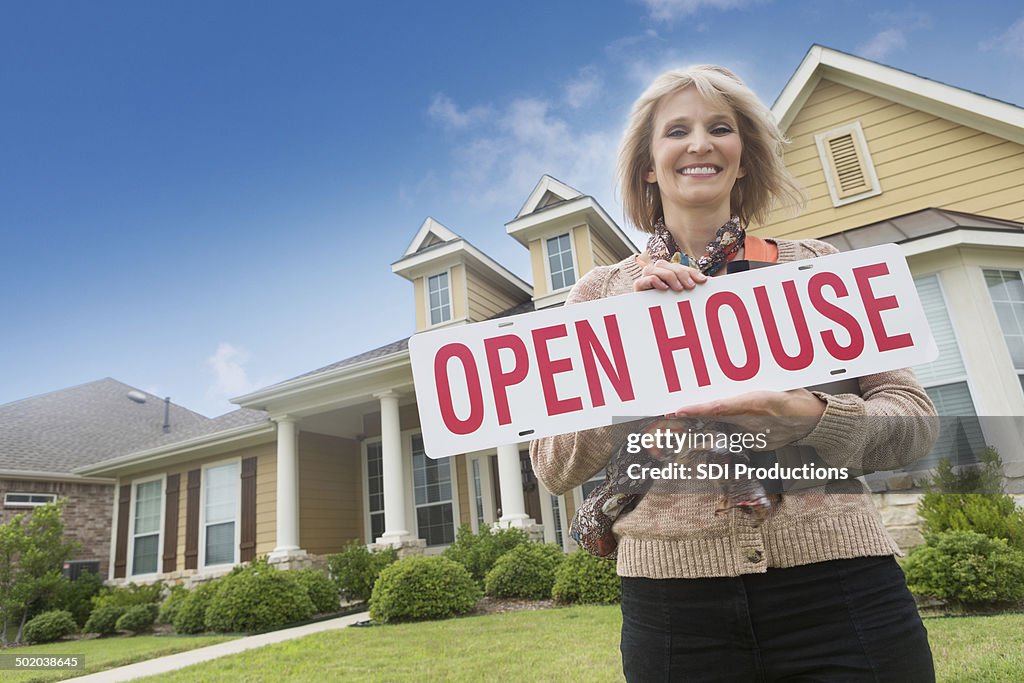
x=812 y=591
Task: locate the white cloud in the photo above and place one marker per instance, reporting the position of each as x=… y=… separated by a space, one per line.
x=229 y=375
x=1010 y=41
x=667 y=10
x=582 y=90
x=883 y=43
x=445 y=111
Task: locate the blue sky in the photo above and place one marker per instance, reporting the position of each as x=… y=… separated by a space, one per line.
x=202 y=198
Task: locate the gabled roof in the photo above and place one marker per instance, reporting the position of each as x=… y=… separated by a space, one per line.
x=918 y=225
x=429 y=234
x=938 y=99
x=548 y=191
x=66 y=429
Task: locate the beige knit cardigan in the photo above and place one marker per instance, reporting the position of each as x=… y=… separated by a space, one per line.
x=677 y=535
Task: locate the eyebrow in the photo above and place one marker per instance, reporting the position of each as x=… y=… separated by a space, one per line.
x=723 y=117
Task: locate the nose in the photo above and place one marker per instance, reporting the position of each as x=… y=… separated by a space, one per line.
x=700 y=142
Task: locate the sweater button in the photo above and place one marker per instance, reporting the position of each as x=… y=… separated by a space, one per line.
x=754 y=556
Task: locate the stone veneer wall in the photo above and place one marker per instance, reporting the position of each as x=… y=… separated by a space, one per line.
x=87 y=513
x=897 y=497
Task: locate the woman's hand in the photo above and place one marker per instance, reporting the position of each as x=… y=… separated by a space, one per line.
x=782 y=416
x=666 y=275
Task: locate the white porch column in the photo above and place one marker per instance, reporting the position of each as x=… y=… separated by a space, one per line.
x=395 y=532
x=287 y=491
x=513 y=507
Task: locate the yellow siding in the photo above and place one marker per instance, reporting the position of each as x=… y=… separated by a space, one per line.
x=421 y=303
x=540 y=280
x=485 y=300
x=570 y=507
x=603 y=254
x=330 y=508
x=583 y=251
x=266 y=502
x=458 y=292
x=922 y=161
x=408 y=418
x=462 y=481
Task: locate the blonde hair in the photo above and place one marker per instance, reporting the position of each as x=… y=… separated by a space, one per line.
x=767 y=183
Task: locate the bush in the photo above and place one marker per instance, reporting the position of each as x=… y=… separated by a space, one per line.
x=76 y=596
x=993 y=515
x=258 y=598
x=103 y=619
x=355 y=569
x=966 y=568
x=50 y=626
x=586 y=579
x=190 y=616
x=526 y=571
x=130 y=595
x=171 y=604
x=138 y=618
x=423 y=587
x=320 y=589
x=478 y=552
x=985 y=476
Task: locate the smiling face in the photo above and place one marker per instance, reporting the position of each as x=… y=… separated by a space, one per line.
x=696 y=151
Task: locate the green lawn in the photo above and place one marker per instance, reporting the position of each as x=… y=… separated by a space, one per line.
x=574 y=643
x=105 y=653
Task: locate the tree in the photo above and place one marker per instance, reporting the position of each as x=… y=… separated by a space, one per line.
x=32 y=553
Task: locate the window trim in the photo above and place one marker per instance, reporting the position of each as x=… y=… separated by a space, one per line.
x=454 y=500
x=364 y=462
x=426 y=299
x=992 y=304
x=547 y=259
x=28 y=504
x=203 y=490
x=855 y=130
x=130 y=570
x=486 y=492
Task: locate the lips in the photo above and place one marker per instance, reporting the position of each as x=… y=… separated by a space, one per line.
x=700 y=170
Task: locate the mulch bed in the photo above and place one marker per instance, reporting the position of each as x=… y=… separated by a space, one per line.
x=489 y=605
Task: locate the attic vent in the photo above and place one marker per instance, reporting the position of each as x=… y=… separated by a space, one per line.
x=846 y=161
x=137 y=396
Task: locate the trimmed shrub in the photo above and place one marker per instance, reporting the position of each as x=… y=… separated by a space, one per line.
x=103 y=619
x=75 y=596
x=585 y=579
x=138 y=618
x=190 y=616
x=994 y=515
x=526 y=571
x=423 y=587
x=50 y=626
x=171 y=604
x=320 y=589
x=258 y=598
x=129 y=596
x=966 y=568
x=355 y=569
x=478 y=552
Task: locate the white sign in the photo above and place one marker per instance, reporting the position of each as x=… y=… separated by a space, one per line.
x=575 y=367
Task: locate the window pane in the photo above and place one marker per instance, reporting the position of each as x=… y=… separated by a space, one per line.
x=147 y=507
x=435 y=525
x=959 y=439
x=220 y=543
x=1007 y=292
x=556 y=518
x=222 y=488
x=144 y=555
x=560 y=261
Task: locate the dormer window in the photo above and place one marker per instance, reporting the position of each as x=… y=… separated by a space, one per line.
x=560 y=263
x=440 y=298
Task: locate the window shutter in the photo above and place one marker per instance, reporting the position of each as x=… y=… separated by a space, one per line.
x=949 y=366
x=247 y=545
x=121 y=548
x=192 y=520
x=171 y=523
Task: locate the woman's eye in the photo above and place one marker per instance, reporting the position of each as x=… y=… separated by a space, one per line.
x=721 y=130
x=677 y=132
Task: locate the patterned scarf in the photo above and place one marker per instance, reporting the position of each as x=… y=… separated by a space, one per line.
x=728 y=240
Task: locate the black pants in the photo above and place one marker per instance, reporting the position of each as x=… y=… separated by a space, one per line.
x=842 y=620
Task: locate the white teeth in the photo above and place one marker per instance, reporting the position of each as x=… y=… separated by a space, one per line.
x=699 y=170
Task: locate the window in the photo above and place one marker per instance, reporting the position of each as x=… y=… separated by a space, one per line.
x=560 y=262
x=845 y=158
x=1007 y=293
x=375 y=488
x=592 y=483
x=440 y=299
x=945 y=380
x=556 y=520
x=220 y=514
x=479 y=500
x=432 y=484
x=146 y=527
x=28 y=500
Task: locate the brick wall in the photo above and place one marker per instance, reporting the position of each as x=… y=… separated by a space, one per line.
x=87 y=513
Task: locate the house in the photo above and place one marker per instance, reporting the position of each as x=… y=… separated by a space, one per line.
x=44 y=439
x=335 y=454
